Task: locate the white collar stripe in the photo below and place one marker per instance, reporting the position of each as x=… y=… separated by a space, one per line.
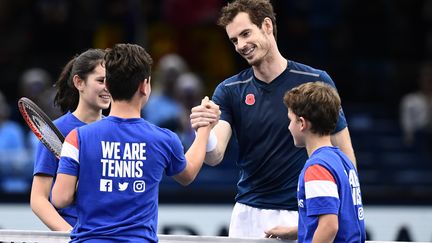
x=240 y=82
x=305 y=73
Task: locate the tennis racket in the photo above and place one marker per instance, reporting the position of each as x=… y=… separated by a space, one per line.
x=41 y=125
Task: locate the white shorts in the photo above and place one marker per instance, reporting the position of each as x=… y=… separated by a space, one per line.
x=247 y=221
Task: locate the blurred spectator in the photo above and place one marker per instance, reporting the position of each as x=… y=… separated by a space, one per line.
x=188 y=92
x=36 y=84
x=162 y=108
x=15 y=169
x=416 y=110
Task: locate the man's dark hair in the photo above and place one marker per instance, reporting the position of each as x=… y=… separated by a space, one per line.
x=257 y=10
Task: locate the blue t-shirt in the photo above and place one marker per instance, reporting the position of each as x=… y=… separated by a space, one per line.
x=268 y=160
x=329 y=184
x=119 y=164
x=46 y=163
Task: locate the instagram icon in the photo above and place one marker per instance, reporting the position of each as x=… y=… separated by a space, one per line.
x=139 y=186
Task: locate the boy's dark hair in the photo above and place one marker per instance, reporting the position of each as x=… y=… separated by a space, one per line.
x=67 y=96
x=258 y=10
x=316 y=102
x=126 y=66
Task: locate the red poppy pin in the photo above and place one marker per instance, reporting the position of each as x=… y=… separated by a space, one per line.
x=250 y=99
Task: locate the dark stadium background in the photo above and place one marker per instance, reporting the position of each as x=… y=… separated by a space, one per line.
x=371 y=49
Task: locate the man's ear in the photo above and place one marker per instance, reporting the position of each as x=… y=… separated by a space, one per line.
x=267 y=26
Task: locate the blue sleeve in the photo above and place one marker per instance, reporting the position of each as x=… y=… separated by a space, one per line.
x=177 y=161
x=46 y=162
x=342 y=123
x=68 y=166
x=68 y=163
x=222 y=99
x=319 y=201
x=322 y=205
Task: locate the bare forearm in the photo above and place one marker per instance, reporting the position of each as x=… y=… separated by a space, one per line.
x=63 y=191
x=59 y=200
x=324 y=235
x=223 y=133
x=42 y=207
x=342 y=140
x=214 y=157
x=48 y=214
x=328 y=226
x=349 y=152
x=195 y=156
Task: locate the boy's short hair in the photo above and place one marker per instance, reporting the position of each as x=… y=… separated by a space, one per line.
x=126 y=66
x=316 y=102
x=257 y=10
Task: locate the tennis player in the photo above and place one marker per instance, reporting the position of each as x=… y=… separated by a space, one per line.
x=119 y=161
x=329 y=196
x=252 y=109
x=81 y=95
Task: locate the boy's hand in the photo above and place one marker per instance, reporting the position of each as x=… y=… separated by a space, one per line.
x=206 y=114
x=282 y=232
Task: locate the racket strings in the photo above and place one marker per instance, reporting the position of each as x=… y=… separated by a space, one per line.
x=48 y=134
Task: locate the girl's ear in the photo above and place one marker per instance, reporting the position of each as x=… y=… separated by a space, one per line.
x=78 y=82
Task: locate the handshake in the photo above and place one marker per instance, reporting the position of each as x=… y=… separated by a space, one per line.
x=205 y=114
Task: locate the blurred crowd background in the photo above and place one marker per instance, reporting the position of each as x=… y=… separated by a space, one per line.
x=377 y=52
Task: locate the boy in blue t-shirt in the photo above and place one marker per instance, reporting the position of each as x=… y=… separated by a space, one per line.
x=120 y=160
x=328 y=194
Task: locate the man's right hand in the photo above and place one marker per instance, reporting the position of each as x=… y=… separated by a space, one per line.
x=207 y=113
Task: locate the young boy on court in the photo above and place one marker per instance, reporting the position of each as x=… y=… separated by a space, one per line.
x=120 y=160
x=329 y=197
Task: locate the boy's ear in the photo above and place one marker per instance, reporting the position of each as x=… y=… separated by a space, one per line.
x=141 y=86
x=145 y=87
x=305 y=124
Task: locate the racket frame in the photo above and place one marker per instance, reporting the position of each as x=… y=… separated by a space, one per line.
x=24 y=104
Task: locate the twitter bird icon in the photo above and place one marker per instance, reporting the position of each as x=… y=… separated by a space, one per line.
x=122 y=186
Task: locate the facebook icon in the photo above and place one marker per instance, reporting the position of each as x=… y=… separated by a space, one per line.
x=105 y=185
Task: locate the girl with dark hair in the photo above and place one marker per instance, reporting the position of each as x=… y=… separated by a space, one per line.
x=81 y=96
